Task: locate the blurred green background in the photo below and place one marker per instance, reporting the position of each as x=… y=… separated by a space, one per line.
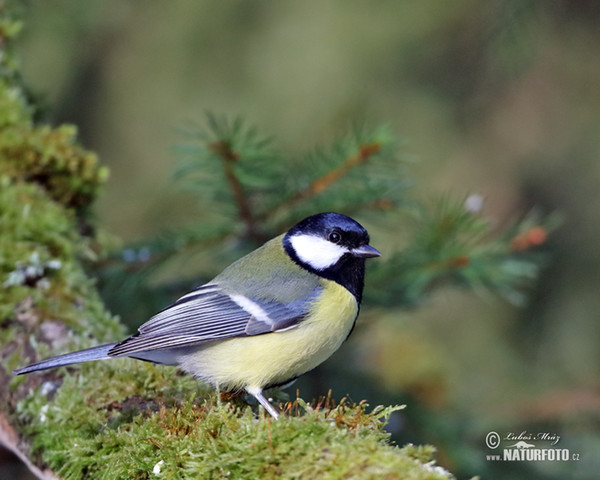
x=499 y=98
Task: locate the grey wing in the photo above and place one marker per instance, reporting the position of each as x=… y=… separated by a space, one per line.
x=209 y=314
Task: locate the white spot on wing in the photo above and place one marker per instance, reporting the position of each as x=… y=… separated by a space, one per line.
x=317 y=252
x=252 y=308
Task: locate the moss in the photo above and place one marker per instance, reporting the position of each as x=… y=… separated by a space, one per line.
x=193 y=435
x=40 y=271
x=51 y=158
x=47 y=302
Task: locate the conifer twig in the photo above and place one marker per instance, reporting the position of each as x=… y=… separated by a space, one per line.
x=317 y=186
x=228 y=156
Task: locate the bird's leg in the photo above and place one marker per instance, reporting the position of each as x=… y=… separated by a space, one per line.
x=257 y=393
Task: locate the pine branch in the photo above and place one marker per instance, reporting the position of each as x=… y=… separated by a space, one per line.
x=228 y=157
x=451 y=245
x=448 y=244
x=362 y=156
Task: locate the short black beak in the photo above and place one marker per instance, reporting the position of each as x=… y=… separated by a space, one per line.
x=365 y=251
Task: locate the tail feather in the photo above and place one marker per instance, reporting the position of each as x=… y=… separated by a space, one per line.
x=87 y=355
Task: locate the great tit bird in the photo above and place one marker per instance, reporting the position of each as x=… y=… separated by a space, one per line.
x=266 y=319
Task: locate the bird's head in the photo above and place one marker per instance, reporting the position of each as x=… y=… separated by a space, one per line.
x=324 y=242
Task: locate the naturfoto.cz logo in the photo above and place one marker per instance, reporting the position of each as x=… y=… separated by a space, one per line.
x=528 y=447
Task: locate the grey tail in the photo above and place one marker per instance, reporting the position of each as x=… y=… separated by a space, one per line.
x=87 y=355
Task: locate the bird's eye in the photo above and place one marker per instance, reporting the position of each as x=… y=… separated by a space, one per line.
x=335 y=237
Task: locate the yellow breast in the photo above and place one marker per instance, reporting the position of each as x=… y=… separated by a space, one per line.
x=273 y=358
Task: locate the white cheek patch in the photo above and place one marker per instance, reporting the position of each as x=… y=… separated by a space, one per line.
x=317 y=252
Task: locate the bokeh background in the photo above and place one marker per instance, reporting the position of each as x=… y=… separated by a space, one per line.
x=498 y=98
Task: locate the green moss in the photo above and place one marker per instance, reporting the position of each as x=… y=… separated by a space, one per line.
x=120 y=419
x=190 y=434
x=41 y=276
x=51 y=158
x=13 y=109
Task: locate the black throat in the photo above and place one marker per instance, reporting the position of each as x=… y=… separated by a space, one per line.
x=349 y=271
